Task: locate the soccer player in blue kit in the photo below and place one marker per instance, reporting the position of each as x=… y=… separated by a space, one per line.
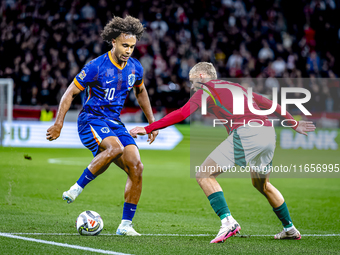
x=107 y=81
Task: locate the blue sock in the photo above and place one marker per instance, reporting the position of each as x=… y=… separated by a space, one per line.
x=129 y=211
x=85 y=178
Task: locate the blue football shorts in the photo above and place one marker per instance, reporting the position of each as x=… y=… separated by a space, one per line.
x=93 y=130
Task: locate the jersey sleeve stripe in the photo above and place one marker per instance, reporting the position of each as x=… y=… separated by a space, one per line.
x=76 y=82
x=90 y=93
x=139 y=85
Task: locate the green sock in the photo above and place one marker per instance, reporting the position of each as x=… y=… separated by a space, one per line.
x=218 y=203
x=283 y=214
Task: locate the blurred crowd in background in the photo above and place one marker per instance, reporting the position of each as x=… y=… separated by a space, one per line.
x=44 y=44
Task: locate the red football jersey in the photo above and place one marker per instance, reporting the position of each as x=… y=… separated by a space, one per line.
x=220 y=103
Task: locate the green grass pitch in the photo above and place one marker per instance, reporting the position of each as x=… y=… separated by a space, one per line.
x=171 y=203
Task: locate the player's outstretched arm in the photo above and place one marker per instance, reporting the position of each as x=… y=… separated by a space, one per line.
x=265 y=103
x=54 y=131
x=168 y=120
x=144 y=103
x=137 y=131
x=304 y=127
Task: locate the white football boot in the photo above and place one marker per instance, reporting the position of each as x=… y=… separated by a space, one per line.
x=293 y=233
x=229 y=228
x=72 y=193
x=126 y=229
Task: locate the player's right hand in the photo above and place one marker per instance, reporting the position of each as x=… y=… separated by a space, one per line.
x=53 y=132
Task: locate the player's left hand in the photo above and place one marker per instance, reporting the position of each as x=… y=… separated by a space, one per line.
x=305 y=126
x=137 y=131
x=152 y=136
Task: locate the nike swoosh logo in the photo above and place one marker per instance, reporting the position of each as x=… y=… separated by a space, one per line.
x=109 y=81
x=133 y=210
x=88 y=178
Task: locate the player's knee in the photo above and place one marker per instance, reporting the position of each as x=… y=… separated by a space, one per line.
x=257 y=185
x=204 y=174
x=261 y=187
x=135 y=170
x=139 y=168
x=114 y=153
x=200 y=177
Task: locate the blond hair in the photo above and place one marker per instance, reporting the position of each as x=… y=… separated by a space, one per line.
x=204 y=67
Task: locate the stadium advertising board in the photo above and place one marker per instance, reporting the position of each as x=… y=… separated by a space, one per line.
x=33 y=134
x=320 y=139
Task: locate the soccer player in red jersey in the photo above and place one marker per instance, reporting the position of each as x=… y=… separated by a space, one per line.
x=247 y=144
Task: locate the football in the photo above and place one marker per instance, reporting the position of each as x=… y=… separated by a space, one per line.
x=89 y=223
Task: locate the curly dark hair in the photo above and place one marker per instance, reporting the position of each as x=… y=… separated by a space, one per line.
x=118 y=25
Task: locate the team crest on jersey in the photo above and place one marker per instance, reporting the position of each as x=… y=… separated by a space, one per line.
x=82 y=75
x=131 y=80
x=105 y=130
x=110 y=72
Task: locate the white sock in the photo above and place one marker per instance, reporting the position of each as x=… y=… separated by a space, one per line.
x=226 y=219
x=287 y=229
x=77 y=187
x=126 y=222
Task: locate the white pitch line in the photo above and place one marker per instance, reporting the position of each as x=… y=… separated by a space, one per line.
x=241 y=235
x=181 y=235
x=62 y=244
x=325 y=235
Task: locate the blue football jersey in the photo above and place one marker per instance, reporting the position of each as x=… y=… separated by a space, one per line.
x=107 y=85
